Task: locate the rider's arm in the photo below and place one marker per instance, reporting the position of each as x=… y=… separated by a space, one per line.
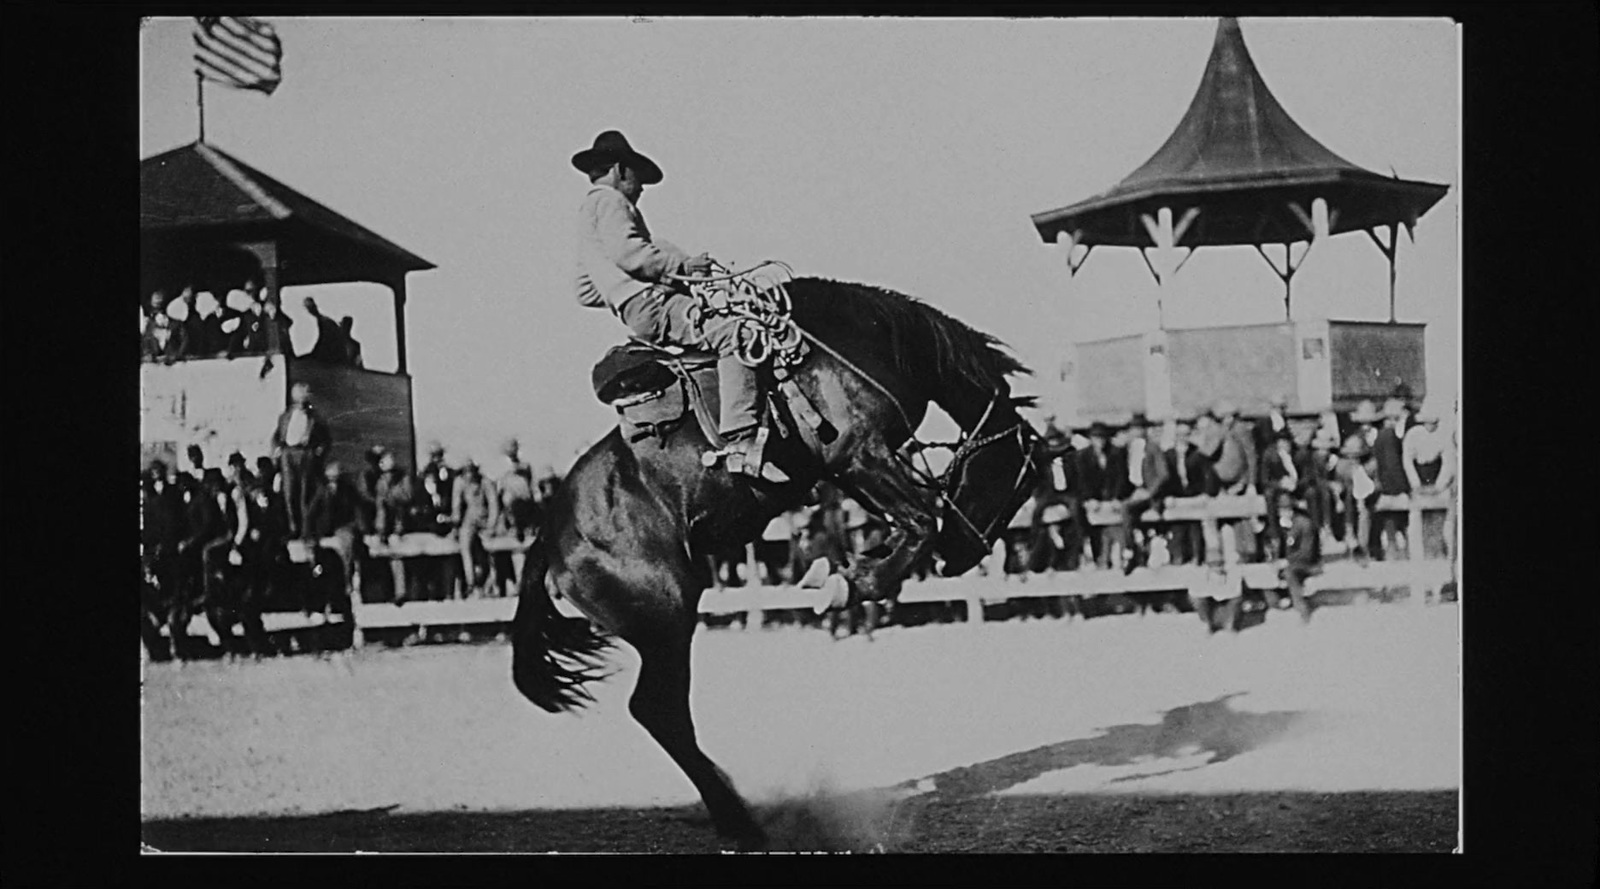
x=628 y=244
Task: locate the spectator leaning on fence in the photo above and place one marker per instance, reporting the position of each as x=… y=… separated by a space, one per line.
x=1265 y=430
x=1236 y=455
x=1095 y=476
x=1284 y=477
x=1321 y=496
x=1389 y=458
x=1189 y=474
x=1358 y=493
x=1147 y=481
x=1426 y=454
x=1054 y=488
x=395 y=494
x=517 y=507
x=472 y=514
x=1302 y=554
x=438 y=489
x=334 y=517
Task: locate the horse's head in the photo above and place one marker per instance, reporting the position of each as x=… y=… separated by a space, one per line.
x=989 y=478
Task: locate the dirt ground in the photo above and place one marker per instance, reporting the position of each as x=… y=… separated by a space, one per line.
x=1121 y=734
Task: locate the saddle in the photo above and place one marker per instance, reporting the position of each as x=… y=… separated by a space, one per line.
x=655 y=387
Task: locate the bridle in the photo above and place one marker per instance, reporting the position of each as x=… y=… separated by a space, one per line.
x=949 y=485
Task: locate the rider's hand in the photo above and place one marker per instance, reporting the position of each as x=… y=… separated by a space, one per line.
x=698 y=265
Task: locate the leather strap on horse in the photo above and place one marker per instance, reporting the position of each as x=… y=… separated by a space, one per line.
x=697 y=400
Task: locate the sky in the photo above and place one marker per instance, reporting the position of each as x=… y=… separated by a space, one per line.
x=903 y=153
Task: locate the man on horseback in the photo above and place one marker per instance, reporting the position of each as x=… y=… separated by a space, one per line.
x=621 y=267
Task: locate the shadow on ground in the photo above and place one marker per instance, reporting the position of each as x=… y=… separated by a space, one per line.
x=961 y=813
x=1211 y=727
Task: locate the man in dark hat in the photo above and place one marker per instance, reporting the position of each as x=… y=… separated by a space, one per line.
x=1189 y=474
x=621 y=267
x=438 y=491
x=239 y=470
x=1388 y=455
x=333 y=514
x=1096 y=477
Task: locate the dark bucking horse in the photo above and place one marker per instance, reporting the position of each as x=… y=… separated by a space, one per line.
x=626 y=536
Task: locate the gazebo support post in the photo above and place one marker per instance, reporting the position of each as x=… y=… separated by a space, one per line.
x=1165 y=235
x=398 y=285
x=1390 y=251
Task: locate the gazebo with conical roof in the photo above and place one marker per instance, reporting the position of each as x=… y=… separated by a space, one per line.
x=1238 y=170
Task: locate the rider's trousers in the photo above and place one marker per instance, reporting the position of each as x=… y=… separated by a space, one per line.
x=660 y=315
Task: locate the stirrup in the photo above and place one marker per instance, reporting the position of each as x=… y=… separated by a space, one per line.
x=743 y=457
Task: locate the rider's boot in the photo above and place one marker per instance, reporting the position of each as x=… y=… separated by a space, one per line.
x=736 y=388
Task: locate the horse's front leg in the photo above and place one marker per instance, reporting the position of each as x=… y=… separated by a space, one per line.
x=911 y=510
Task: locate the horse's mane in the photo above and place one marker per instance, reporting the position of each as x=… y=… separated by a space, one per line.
x=925 y=343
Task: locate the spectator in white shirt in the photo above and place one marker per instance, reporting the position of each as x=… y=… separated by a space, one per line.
x=1428 y=459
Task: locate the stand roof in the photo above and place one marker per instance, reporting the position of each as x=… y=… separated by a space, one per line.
x=198 y=195
x=1241 y=160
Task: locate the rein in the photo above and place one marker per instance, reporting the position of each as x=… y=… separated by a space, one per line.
x=746 y=302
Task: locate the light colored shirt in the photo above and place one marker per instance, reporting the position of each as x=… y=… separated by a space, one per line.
x=298 y=429
x=617 y=257
x=1421 y=446
x=1136 y=462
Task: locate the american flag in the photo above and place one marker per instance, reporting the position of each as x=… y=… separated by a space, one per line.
x=238 y=51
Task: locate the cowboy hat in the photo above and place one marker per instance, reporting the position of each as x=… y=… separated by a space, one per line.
x=612 y=147
x=1100 y=429
x=1366 y=412
x=1140 y=421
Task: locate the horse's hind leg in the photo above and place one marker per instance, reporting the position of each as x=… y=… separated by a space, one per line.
x=660 y=703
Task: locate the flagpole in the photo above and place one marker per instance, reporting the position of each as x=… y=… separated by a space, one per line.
x=200 y=101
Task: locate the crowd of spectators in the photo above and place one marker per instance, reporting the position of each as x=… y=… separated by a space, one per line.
x=247 y=321
x=220 y=536
x=1298 y=465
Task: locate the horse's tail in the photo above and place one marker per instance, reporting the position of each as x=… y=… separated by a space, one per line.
x=552 y=656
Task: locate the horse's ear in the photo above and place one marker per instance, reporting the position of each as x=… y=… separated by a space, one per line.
x=1021 y=401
